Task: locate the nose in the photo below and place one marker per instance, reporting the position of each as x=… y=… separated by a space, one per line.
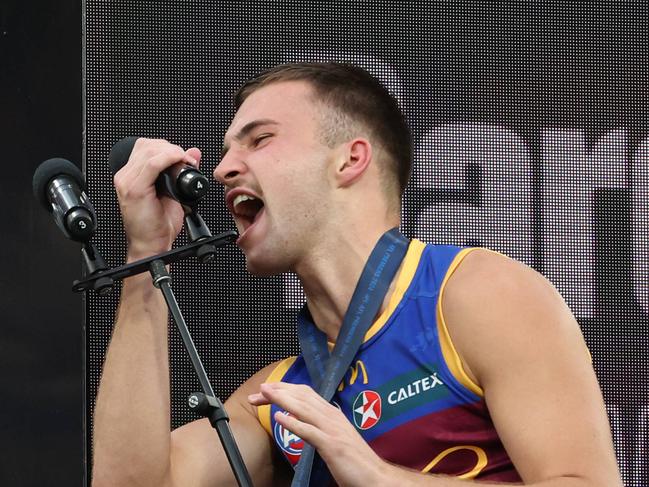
x=230 y=168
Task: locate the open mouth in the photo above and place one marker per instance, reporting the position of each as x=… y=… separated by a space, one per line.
x=246 y=209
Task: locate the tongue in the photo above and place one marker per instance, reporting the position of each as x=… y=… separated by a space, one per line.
x=259 y=212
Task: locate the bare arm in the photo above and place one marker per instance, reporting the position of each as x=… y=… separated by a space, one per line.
x=521 y=343
x=131 y=422
x=132 y=440
x=133 y=443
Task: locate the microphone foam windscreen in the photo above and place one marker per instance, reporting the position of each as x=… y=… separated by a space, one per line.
x=120 y=153
x=47 y=171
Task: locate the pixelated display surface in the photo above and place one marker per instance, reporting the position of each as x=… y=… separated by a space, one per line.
x=530 y=130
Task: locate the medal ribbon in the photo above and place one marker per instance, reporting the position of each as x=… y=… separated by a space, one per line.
x=327 y=371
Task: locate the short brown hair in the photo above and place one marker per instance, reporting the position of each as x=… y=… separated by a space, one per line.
x=355 y=98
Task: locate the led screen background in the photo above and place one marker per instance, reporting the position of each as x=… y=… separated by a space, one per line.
x=530 y=130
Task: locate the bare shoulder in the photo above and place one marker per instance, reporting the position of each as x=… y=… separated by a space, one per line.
x=198 y=457
x=497 y=302
x=484 y=274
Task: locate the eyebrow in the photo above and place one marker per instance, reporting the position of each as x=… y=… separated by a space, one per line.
x=245 y=130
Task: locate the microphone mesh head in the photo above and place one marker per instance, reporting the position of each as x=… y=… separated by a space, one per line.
x=47 y=171
x=120 y=153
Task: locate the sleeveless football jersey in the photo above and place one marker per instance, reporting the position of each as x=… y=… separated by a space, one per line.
x=406 y=392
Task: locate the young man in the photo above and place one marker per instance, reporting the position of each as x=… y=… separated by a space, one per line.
x=473 y=368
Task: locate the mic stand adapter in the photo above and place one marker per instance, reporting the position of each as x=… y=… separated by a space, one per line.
x=197 y=231
x=143 y=265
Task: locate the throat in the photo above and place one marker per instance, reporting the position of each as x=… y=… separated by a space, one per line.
x=330 y=276
x=328 y=313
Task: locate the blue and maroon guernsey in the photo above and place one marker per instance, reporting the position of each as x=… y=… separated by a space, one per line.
x=406 y=391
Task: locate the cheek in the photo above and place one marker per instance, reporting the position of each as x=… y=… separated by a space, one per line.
x=297 y=184
x=295 y=204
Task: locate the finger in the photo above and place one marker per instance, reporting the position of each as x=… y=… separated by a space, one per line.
x=159 y=160
x=258 y=399
x=150 y=157
x=308 y=432
x=130 y=171
x=195 y=154
x=299 y=400
x=298 y=390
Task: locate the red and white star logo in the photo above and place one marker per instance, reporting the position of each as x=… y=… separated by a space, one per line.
x=367 y=409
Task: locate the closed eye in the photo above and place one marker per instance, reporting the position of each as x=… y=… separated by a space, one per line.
x=259 y=139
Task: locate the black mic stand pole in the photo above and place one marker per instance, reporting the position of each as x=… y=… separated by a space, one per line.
x=203 y=246
x=208 y=404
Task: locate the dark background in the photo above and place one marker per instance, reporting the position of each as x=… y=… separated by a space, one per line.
x=539 y=70
x=41 y=366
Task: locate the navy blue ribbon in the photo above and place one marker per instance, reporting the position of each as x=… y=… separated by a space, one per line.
x=327 y=371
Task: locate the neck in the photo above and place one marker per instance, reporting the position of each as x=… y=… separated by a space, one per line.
x=330 y=277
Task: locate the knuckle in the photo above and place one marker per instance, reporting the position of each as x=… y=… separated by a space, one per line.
x=143 y=147
x=124 y=193
x=124 y=187
x=141 y=142
x=337 y=413
x=121 y=183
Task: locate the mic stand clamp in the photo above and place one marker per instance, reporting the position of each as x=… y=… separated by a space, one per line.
x=197 y=231
x=95 y=267
x=138 y=267
x=209 y=407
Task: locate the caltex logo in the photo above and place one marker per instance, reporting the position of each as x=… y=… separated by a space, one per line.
x=290 y=443
x=367 y=409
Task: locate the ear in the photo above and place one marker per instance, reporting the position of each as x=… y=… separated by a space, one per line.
x=355 y=158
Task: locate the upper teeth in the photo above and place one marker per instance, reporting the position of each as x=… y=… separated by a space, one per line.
x=242 y=197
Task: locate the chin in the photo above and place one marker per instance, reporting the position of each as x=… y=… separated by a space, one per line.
x=268 y=256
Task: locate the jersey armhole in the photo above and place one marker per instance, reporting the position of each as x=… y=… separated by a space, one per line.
x=263 y=412
x=449 y=352
x=451 y=356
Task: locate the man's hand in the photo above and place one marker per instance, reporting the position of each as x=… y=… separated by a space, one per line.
x=350 y=459
x=151 y=223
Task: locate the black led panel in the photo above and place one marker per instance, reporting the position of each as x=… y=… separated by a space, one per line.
x=530 y=128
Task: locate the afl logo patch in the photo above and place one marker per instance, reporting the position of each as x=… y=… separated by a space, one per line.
x=291 y=444
x=367 y=409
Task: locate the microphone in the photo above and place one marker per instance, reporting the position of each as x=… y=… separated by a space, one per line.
x=60 y=187
x=182 y=182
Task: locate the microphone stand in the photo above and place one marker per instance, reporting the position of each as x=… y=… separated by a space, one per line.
x=203 y=246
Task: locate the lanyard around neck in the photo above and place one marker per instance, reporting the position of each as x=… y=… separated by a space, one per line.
x=327 y=371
